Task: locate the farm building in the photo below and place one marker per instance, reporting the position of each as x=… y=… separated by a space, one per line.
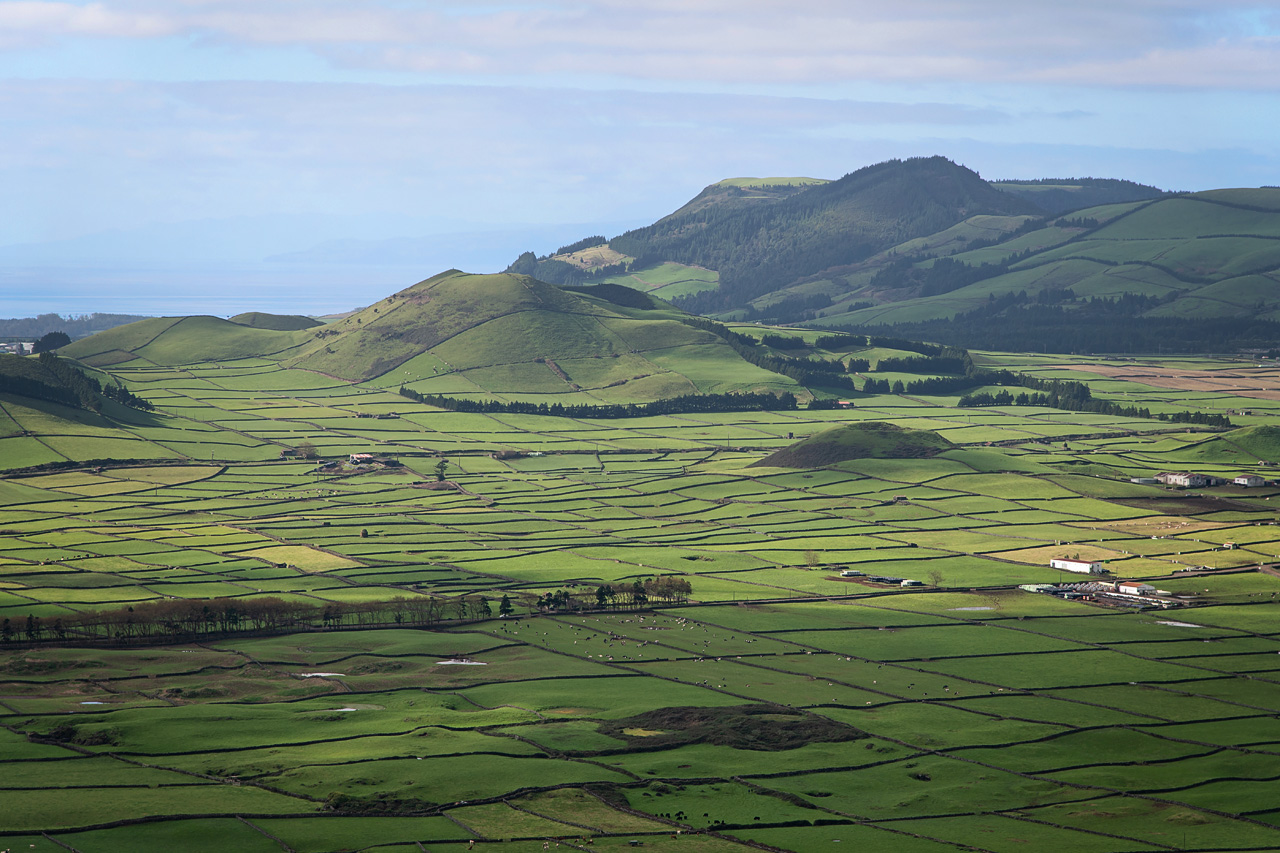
x=851 y=573
x=909 y=582
x=1135 y=588
x=1144 y=481
x=1185 y=479
x=1251 y=481
x=360 y=458
x=1079 y=566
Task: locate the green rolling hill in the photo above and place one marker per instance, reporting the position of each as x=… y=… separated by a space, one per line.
x=468 y=335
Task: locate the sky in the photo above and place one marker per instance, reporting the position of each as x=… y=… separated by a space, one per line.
x=185 y=156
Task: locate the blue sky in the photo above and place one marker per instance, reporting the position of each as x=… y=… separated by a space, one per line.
x=182 y=138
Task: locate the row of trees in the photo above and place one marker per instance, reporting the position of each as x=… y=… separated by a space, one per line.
x=176 y=620
x=685 y=404
x=1069 y=395
x=806 y=371
x=668 y=589
x=1077 y=397
x=182 y=620
x=1016 y=322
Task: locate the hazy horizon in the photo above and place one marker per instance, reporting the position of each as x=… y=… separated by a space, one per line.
x=131 y=121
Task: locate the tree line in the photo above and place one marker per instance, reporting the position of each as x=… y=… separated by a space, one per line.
x=806 y=371
x=57 y=381
x=685 y=404
x=182 y=620
x=1015 y=322
x=1065 y=394
x=668 y=589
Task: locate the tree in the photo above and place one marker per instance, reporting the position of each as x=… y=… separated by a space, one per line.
x=935 y=577
x=440 y=469
x=51 y=341
x=307 y=450
x=505 y=607
x=811 y=558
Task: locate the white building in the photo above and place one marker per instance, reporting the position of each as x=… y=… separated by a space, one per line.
x=1251 y=481
x=1078 y=566
x=1135 y=588
x=1185 y=479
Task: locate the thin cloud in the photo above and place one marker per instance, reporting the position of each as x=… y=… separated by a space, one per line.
x=1124 y=43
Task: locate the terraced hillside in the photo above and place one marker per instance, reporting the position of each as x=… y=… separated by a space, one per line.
x=1204 y=255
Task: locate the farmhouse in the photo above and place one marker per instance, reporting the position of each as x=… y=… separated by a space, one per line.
x=1185 y=479
x=1080 y=566
x=1135 y=588
x=361 y=458
x=1251 y=481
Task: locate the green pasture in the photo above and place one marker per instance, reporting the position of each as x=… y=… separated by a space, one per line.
x=959 y=688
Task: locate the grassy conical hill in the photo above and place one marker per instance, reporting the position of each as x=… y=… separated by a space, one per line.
x=513 y=335
x=388 y=333
x=869 y=440
x=182 y=340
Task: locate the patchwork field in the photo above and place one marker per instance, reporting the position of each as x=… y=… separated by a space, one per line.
x=772 y=704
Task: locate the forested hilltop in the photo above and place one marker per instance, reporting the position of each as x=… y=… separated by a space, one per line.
x=927 y=249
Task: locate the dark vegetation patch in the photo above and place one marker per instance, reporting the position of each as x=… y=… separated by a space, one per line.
x=758 y=727
x=275 y=322
x=69 y=733
x=618 y=294
x=379 y=804
x=870 y=440
x=38 y=666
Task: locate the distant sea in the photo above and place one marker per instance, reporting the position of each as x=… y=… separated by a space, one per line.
x=222 y=291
